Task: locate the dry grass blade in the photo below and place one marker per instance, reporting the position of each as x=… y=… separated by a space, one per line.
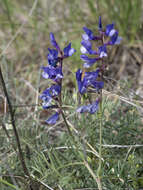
x=65 y=147
x=110 y=94
x=93 y=175
x=42 y=183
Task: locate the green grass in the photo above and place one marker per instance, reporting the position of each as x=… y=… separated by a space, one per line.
x=53 y=159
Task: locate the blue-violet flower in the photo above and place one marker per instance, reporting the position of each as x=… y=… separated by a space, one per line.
x=90 y=108
x=54 y=72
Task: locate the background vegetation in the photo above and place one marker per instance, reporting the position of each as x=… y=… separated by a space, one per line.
x=52 y=160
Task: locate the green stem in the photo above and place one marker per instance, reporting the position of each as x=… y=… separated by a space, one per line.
x=67 y=125
x=100 y=140
x=100 y=143
x=101 y=124
x=60 y=102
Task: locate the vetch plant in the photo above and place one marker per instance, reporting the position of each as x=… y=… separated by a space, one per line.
x=93 y=81
x=94 y=49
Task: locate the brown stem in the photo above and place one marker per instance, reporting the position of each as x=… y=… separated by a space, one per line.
x=21 y=157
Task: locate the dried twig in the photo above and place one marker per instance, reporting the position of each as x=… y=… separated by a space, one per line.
x=122 y=146
x=11 y=110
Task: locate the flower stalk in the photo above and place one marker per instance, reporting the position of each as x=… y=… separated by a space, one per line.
x=93 y=81
x=54 y=71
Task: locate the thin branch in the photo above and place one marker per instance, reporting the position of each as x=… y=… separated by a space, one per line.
x=21 y=157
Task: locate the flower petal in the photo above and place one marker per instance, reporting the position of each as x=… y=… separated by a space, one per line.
x=51 y=92
x=46 y=104
x=97 y=85
x=109 y=27
x=87 y=65
x=85 y=37
x=90 y=108
x=46 y=98
x=68 y=51
x=112 y=32
x=89 y=33
x=54 y=73
x=92 y=75
x=83 y=109
x=52 y=57
x=118 y=40
x=53 y=119
x=113 y=39
x=83 y=49
x=88 y=46
x=80 y=83
x=102 y=51
x=94 y=107
x=55 y=90
x=88 y=59
x=89 y=80
x=53 y=41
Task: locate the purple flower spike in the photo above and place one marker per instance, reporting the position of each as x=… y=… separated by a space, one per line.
x=100 y=24
x=53 y=41
x=68 y=51
x=90 y=108
x=53 y=119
